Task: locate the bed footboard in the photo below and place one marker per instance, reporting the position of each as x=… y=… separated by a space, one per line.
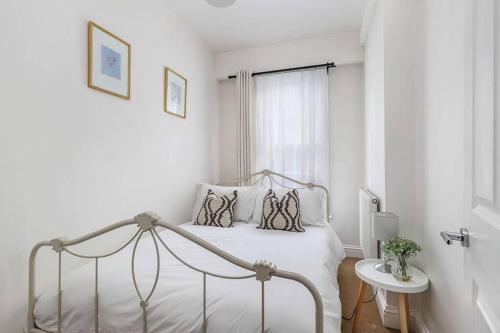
x=262 y=270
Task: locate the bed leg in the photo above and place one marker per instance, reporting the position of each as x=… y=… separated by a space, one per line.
x=263 y=305
x=96 y=295
x=59 y=303
x=204 y=302
x=143 y=305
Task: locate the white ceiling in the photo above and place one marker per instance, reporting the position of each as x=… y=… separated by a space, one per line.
x=250 y=23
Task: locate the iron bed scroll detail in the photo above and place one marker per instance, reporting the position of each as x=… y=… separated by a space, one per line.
x=262 y=270
x=270 y=175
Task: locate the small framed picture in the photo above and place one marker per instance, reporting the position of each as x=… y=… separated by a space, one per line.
x=108 y=62
x=175 y=93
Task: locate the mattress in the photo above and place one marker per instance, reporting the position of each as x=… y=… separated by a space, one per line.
x=177 y=302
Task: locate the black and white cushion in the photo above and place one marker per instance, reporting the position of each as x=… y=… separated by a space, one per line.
x=281 y=214
x=216 y=210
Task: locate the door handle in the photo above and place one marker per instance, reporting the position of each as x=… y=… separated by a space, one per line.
x=462 y=237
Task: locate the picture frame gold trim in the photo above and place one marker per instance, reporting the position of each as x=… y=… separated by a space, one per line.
x=91 y=25
x=165 y=97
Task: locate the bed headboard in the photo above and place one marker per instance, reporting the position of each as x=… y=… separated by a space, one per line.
x=273 y=178
x=368 y=204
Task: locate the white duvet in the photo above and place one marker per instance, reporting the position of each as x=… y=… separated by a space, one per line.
x=177 y=303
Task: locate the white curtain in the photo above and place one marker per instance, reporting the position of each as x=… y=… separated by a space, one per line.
x=244 y=149
x=292 y=125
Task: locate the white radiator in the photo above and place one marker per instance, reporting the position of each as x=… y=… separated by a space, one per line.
x=368 y=204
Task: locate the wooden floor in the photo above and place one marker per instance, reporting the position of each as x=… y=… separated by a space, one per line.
x=370 y=319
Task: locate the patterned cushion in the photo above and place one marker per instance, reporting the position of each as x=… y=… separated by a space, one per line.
x=217 y=211
x=281 y=214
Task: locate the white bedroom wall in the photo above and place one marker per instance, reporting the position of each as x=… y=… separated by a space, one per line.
x=347 y=150
x=347 y=115
x=75 y=159
x=425 y=79
x=400 y=58
x=342 y=48
x=424 y=145
x=440 y=84
x=228 y=134
x=374 y=103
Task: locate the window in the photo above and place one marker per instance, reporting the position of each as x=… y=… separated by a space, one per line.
x=292 y=124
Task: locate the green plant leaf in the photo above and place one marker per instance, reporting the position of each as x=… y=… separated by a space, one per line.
x=401 y=247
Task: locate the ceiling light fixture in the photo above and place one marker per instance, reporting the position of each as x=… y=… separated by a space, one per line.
x=221 y=3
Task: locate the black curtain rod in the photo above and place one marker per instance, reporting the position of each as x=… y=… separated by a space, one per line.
x=327 y=66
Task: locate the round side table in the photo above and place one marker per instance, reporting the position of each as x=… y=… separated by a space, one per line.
x=366 y=271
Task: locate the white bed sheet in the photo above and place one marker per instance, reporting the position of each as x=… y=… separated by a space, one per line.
x=232 y=305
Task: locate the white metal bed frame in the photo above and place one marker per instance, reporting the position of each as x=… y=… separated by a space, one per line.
x=262 y=270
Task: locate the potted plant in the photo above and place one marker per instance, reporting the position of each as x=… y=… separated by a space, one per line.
x=400 y=249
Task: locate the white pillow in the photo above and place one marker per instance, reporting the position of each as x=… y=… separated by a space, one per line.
x=245 y=201
x=312 y=205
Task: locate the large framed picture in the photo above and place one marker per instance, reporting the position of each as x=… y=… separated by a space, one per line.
x=175 y=93
x=108 y=62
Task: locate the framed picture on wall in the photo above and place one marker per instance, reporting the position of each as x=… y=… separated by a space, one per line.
x=108 y=62
x=175 y=93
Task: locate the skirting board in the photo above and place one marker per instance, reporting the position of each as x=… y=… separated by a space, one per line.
x=390 y=316
x=353 y=251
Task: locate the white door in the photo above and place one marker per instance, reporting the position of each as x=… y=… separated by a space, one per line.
x=482 y=128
